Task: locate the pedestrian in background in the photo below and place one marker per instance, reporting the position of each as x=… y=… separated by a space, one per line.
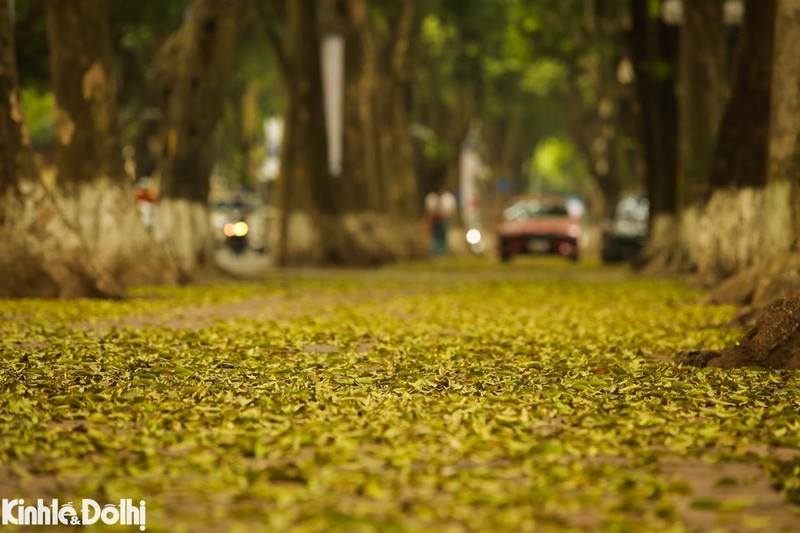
x=440 y=206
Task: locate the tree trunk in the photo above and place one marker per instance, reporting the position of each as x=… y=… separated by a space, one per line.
x=40 y=253
x=83 y=83
x=746 y=223
x=21 y=272
x=774 y=341
x=502 y=141
x=16 y=159
x=194 y=69
x=396 y=136
x=654 y=51
x=306 y=186
x=702 y=94
x=362 y=216
x=94 y=194
x=607 y=144
x=362 y=172
x=456 y=131
x=784 y=152
x=741 y=155
x=596 y=139
x=248 y=126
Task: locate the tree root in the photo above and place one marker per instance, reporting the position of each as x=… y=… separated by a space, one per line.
x=772 y=343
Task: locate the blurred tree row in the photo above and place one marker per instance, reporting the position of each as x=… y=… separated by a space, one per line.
x=590 y=97
x=184 y=82
x=720 y=120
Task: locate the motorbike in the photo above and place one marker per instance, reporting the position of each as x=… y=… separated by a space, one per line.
x=236 y=230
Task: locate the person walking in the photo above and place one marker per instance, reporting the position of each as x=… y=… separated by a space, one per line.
x=439 y=208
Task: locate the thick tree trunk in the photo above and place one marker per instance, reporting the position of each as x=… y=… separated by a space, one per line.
x=362 y=216
x=746 y=225
x=702 y=94
x=784 y=152
x=771 y=239
x=40 y=253
x=773 y=284
x=306 y=187
x=83 y=83
x=402 y=235
x=195 y=68
x=16 y=159
x=21 y=272
x=94 y=194
x=398 y=150
x=741 y=155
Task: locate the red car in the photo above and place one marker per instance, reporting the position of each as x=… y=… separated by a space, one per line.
x=543 y=227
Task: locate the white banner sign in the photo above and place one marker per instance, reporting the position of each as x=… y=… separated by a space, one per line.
x=333 y=88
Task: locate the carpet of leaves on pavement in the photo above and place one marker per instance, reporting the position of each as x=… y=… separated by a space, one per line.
x=458 y=396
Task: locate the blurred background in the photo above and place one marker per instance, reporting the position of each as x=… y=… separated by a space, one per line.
x=360 y=132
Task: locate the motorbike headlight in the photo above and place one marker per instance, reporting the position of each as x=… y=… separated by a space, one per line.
x=240 y=229
x=235 y=229
x=473 y=236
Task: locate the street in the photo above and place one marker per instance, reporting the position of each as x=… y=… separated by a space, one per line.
x=462 y=395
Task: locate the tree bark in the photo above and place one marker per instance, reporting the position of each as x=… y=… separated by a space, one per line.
x=94 y=194
x=396 y=137
x=83 y=83
x=702 y=94
x=784 y=150
x=774 y=341
x=194 y=68
x=16 y=160
x=362 y=171
x=741 y=155
x=306 y=188
x=654 y=51
x=362 y=216
x=40 y=252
